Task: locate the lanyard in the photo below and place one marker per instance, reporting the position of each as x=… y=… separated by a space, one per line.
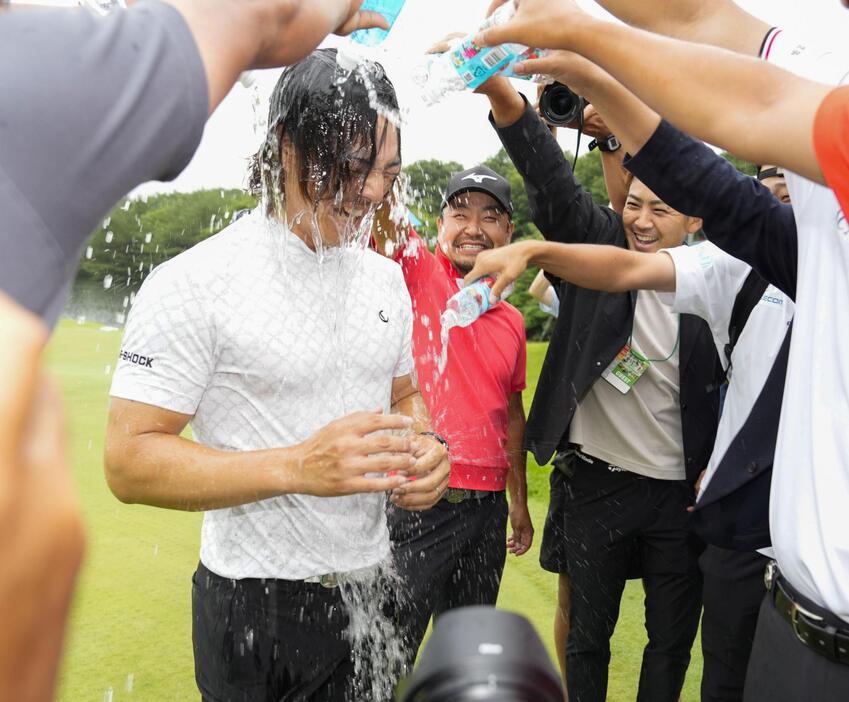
x=653 y=360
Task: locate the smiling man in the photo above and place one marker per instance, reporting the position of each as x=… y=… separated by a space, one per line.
x=627 y=400
x=453 y=555
x=285 y=345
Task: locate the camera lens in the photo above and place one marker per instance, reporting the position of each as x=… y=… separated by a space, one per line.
x=558 y=105
x=481 y=654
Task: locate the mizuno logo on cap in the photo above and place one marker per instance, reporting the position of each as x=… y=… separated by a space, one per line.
x=478 y=178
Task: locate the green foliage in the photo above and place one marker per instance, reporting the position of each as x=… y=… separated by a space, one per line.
x=426 y=181
x=740 y=164
x=138 y=235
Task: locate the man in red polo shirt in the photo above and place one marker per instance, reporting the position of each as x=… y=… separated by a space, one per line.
x=453 y=555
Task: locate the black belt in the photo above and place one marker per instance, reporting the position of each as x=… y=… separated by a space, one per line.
x=457 y=495
x=811 y=628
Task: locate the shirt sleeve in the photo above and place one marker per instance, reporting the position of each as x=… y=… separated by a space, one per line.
x=707 y=281
x=415 y=259
x=813 y=60
x=168 y=352
x=831 y=143
x=101 y=105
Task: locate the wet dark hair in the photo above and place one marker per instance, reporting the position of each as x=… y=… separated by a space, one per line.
x=324 y=114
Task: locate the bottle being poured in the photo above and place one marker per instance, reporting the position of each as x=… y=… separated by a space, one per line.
x=390 y=9
x=463 y=308
x=466 y=65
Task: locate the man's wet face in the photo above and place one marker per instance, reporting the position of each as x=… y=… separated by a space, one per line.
x=472 y=222
x=650 y=224
x=343 y=212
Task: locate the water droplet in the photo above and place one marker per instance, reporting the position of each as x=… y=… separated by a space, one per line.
x=107 y=282
x=148 y=237
x=89 y=252
x=155 y=550
x=107 y=369
x=109 y=236
x=107 y=696
x=130 y=682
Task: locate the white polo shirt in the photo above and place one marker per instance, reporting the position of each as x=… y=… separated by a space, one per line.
x=707 y=281
x=264 y=342
x=809 y=507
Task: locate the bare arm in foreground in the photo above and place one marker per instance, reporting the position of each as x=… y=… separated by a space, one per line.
x=592 y=266
x=41 y=535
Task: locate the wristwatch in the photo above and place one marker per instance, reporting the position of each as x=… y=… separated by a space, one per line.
x=608 y=144
x=436 y=436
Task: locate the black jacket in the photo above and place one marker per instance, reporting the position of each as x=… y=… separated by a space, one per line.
x=744 y=219
x=594 y=326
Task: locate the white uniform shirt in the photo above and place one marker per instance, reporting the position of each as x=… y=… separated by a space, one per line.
x=707 y=281
x=809 y=507
x=264 y=342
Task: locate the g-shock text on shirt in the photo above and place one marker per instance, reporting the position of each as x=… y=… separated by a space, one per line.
x=137 y=359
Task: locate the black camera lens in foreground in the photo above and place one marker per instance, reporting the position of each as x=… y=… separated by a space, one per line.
x=558 y=105
x=482 y=653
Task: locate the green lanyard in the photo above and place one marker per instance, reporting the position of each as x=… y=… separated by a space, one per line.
x=653 y=360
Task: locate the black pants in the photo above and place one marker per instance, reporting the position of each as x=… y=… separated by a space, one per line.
x=783 y=669
x=269 y=641
x=733 y=592
x=611 y=518
x=449 y=556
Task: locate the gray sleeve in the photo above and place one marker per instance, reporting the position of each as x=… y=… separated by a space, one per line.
x=92 y=107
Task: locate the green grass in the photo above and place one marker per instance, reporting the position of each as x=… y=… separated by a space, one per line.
x=130 y=628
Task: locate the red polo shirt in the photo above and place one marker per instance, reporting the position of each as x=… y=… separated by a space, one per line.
x=486 y=364
x=831 y=143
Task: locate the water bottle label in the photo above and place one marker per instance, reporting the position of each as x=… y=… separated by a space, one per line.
x=476 y=64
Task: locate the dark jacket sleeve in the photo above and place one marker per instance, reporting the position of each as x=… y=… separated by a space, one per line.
x=740 y=215
x=561 y=209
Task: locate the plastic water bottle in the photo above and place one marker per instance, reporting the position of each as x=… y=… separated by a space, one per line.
x=389 y=9
x=466 y=65
x=467 y=305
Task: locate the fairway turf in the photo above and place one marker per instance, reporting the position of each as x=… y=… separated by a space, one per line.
x=130 y=632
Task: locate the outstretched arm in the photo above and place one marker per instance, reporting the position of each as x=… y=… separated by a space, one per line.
x=691 y=85
x=235 y=35
x=592 y=266
x=722 y=23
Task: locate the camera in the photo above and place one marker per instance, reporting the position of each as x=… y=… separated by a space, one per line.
x=481 y=654
x=558 y=105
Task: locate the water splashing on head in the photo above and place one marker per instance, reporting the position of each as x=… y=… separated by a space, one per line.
x=332 y=150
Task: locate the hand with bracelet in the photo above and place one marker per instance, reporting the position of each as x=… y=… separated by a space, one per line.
x=428 y=477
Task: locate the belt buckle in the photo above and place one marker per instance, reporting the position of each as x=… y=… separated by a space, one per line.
x=328 y=580
x=770 y=573
x=455 y=495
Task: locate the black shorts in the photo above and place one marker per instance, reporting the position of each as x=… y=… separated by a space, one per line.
x=567 y=517
x=552 y=556
x=269 y=640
